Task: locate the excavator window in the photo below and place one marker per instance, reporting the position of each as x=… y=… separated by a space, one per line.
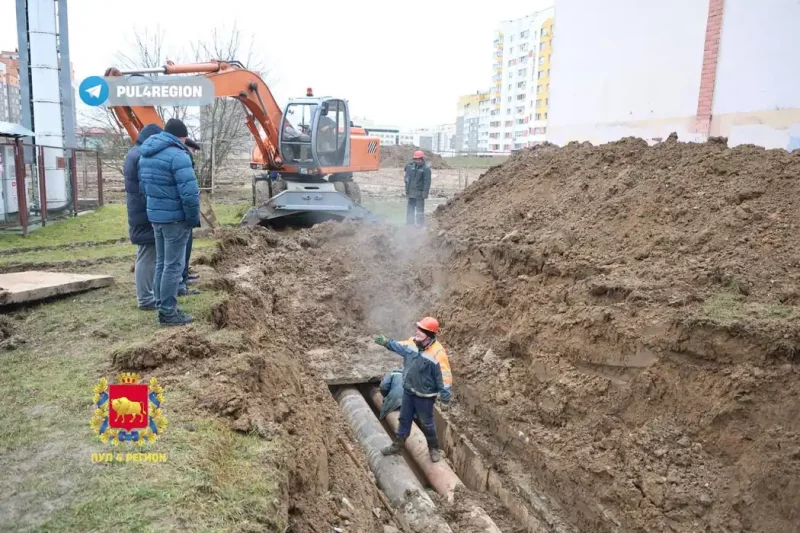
x=296 y=133
x=331 y=134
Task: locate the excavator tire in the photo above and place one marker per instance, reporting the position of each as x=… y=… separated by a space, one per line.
x=353 y=191
x=277 y=187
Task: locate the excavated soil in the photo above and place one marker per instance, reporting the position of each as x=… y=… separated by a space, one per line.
x=398 y=156
x=621 y=322
x=627 y=324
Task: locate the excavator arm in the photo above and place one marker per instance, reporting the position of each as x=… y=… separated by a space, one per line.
x=230 y=79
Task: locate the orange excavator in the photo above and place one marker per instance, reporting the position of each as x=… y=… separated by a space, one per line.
x=304 y=156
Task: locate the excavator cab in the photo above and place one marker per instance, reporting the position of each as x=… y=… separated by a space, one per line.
x=315 y=135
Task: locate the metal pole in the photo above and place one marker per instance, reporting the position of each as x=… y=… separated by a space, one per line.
x=73 y=178
x=42 y=187
x=99 y=181
x=22 y=194
x=65 y=76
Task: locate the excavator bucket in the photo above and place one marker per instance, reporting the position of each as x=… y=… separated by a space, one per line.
x=306 y=204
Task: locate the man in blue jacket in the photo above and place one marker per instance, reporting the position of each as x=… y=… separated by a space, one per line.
x=173 y=207
x=422 y=383
x=140 y=230
x=391 y=388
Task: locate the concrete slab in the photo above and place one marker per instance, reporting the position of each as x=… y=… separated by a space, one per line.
x=34 y=285
x=365 y=363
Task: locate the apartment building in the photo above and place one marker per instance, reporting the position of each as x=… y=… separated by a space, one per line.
x=521 y=82
x=472 y=122
x=10 y=97
x=9 y=61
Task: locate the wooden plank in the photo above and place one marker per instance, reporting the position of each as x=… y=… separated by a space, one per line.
x=365 y=363
x=20 y=287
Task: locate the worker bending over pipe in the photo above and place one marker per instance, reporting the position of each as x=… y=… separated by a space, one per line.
x=423 y=382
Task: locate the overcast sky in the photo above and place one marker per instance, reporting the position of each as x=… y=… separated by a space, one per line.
x=401 y=63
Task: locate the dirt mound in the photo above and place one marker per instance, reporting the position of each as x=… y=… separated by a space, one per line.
x=398 y=156
x=168 y=347
x=626 y=328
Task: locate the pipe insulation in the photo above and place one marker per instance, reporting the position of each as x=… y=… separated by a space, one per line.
x=439 y=475
x=393 y=475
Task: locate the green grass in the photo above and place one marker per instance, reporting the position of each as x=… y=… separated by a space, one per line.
x=393 y=210
x=230 y=214
x=727 y=306
x=213 y=480
x=104 y=224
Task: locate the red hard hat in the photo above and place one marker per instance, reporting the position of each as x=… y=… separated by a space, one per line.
x=429 y=324
x=419 y=154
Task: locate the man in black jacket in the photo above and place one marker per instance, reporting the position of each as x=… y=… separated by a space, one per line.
x=140 y=230
x=418 y=186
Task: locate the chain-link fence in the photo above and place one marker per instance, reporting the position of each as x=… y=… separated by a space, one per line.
x=41 y=183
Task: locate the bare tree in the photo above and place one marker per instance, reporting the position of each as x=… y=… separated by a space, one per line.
x=220 y=127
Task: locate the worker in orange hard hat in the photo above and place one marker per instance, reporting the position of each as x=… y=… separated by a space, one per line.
x=423 y=381
x=418 y=186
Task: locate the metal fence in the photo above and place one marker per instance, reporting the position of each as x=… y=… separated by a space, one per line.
x=39 y=184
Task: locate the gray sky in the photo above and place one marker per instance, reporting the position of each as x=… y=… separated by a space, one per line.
x=402 y=63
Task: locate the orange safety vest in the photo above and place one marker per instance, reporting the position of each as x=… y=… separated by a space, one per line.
x=437 y=351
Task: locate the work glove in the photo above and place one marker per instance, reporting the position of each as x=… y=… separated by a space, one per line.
x=380 y=339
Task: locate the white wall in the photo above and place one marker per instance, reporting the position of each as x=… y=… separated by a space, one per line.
x=632 y=67
x=622 y=61
x=757 y=94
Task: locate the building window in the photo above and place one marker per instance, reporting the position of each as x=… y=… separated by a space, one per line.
x=545 y=116
x=538 y=116
x=541 y=60
x=544 y=32
x=509 y=99
x=521 y=85
x=509 y=123
x=508 y=111
x=524 y=34
x=507 y=135
x=520 y=121
x=538 y=103
x=541 y=46
x=520 y=97
x=522 y=72
x=546 y=101
x=540 y=74
x=538 y=89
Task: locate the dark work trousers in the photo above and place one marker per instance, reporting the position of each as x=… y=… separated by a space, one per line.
x=416 y=206
x=423 y=408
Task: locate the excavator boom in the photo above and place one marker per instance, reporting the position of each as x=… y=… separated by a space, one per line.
x=309 y=164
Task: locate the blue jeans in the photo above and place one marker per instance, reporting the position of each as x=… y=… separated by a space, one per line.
x=423 y=408
x=171 y=242
x=144 y=272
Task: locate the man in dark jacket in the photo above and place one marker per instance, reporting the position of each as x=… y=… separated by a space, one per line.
x=422 y=384
x=140 y=230
x=418 y=185
x=173 y=207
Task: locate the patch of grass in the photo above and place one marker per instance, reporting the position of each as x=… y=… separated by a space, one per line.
x=230 y=214
x=393 y=210
x=104 y=224
x=727 y=306
x=213 y=480
x=85 y=253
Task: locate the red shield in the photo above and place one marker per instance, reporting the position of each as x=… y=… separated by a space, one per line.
x=127 y=406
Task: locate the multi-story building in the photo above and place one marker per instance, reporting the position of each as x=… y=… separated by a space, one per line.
x=519 y=94
x=10 y=60
x=468 y=121
x=444 y=140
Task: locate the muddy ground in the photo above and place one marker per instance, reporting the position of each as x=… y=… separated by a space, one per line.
x=622 y=323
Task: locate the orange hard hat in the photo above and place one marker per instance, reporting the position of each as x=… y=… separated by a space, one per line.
x=419 y=154
x=429 y=324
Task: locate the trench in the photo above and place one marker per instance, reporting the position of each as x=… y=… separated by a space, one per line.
x=528 y=512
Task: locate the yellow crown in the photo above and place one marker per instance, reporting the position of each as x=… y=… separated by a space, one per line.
x=128 y=378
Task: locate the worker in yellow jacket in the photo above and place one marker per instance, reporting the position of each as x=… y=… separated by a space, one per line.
x=435 y=350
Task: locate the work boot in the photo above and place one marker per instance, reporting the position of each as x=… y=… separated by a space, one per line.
x=395 y=447
x=435 y=454
x=180 y=319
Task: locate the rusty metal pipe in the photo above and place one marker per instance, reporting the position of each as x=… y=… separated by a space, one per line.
x=439 y=475
x=393 y=475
